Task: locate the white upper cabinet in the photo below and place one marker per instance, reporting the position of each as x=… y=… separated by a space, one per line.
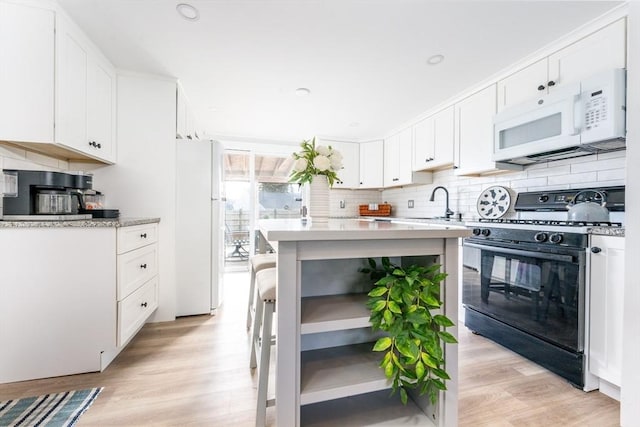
x=349 y=175
x=474 y=133
x=392 y=161
x=433 y=141
x=602 y=50
x=398 y=161
x=186 y=123
x=85 y=100
x=371 y=164
x=26 y=73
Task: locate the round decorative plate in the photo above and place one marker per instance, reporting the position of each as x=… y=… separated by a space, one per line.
x=494 y=202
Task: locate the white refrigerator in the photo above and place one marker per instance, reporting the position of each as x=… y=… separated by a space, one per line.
x=199 y=227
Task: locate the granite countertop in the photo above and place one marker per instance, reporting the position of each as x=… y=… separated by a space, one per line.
x=87 y=223
x=608 y=231
x=356 y=229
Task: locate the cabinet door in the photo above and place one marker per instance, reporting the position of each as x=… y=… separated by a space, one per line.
x=181 y=114
x=391 y=160
x=606 y=300
x=474 y=132
x=423 y=144
x=523 y=85
x=349 y=175
x=603 y=50
x=371 y=164
x=26 y=73
x=443 y=138
x=405 y=156
x=101 y=81
x=71 y=95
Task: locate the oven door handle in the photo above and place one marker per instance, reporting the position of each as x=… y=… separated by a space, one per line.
x=530 y=254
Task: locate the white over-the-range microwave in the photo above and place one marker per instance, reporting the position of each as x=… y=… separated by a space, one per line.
x=574 y=120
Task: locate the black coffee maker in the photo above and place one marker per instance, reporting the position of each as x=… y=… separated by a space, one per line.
x=46 y=195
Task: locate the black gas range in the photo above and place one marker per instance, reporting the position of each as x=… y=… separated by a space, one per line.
x=525 y=280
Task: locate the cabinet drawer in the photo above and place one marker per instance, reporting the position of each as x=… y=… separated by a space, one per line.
x=135 y=309
x=135 y=268
x=136 y=236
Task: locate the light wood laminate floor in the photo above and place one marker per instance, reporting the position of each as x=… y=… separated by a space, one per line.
x=194 y=371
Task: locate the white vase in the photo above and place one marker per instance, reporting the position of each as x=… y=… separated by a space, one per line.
x=318 y=203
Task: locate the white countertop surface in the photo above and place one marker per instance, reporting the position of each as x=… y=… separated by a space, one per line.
x=355 y=229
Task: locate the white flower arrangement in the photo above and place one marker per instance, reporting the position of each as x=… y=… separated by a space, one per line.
x=315 y=160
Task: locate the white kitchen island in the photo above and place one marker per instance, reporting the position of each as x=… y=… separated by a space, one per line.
x=326 y=373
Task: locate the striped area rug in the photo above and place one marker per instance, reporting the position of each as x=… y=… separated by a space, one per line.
x=51 y=410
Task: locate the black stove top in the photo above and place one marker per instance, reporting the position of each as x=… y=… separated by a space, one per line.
x=551 y=222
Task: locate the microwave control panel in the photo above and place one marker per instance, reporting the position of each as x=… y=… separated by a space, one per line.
x=603 y=106
x=595 y=110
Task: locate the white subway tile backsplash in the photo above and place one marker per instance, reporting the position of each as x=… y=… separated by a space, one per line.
x=573 y=178
x=42 y=160
x=606 y=169
x=611 y=175
x=549 y=171
x=598 y=165
x=529 y=182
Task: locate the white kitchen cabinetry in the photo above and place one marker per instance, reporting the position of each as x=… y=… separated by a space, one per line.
x=371 y=164
x=602 y=50
x=433 y=141
x=57 y=304
x=398 y=161
x=85 y=96
x=137 y=279
x=606 y=300
x=186 y=123
x=350 y=173
x=26 y=73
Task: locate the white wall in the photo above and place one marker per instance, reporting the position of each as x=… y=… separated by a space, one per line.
x=629 y=408
x=142 y=182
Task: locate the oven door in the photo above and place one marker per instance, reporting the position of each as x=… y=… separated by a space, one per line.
x=538 y=292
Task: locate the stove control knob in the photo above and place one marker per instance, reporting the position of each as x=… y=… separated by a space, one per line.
x=540 y=237
x=485 y=232
x=543 y=198
x=555 y=238
x=476 y=231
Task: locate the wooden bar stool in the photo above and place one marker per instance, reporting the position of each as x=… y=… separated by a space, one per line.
x=257 y=263
x=262 y=337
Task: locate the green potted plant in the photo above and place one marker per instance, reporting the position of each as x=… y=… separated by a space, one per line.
x=403 y=303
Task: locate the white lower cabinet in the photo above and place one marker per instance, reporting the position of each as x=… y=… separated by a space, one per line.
x=66 y=305
x=57 y=301
x=137 y=278
x=606 y=278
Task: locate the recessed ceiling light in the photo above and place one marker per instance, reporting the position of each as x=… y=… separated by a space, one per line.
x=435 y=59
x=303 y=91
x=188 y=12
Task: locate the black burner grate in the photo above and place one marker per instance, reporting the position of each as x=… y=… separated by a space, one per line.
x=553 y=222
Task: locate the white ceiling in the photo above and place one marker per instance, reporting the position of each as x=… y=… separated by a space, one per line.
x=363 y=60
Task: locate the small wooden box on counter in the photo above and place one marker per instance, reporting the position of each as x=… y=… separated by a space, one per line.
x=384 y=209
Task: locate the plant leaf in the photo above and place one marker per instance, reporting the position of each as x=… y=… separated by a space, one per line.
x=393 y=306
x=388 y=317
x=442 y=320
x=420 y=369
x=382 y=344
x=378 y=291
x=379 y=305
x=403 y=396
x=441 y=373
x=399 y=272
x=447 y=337
x=372 y=263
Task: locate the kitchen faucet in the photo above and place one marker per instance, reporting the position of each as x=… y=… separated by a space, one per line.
x=448 y=212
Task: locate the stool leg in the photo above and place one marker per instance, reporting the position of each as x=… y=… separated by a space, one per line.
x=251 y=304
x=255 y=334
x=265 y=355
